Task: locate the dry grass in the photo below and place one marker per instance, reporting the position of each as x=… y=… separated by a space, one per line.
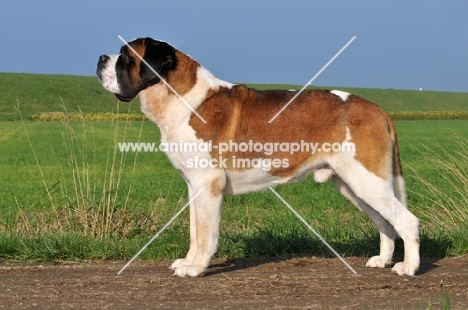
x=87 y=205
x=79 y=116
x=447 y=194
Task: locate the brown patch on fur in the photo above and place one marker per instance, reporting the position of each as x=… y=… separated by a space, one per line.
x=242 y=114
x=217 y=186
x=140 y=49
x=184 y=78
x=315 y=116
x=369 y=132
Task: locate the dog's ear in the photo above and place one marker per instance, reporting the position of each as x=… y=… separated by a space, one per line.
x=161 y=57
x=166 y=63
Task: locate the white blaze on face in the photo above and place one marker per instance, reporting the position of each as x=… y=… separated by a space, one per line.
x=109 y=75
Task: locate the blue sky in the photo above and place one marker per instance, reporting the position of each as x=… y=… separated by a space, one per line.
x=400 y=44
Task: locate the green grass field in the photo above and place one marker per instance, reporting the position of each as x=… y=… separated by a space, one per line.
x=67 y=193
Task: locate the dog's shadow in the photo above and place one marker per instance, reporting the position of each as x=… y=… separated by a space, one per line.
x=266 y=247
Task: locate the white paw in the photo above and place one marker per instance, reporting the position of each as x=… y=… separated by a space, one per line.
x=405 y=269
x=177 y=263
x=190 y=271
x=377 y=262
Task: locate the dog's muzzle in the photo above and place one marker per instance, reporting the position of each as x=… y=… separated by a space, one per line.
x=107 y=75
x=101 y=65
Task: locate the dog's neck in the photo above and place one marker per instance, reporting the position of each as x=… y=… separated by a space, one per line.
x=191 y=81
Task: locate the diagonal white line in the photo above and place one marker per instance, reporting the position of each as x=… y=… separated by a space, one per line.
x=160 y=231
x=163 y=80
x=312 y=79
x=313 y=230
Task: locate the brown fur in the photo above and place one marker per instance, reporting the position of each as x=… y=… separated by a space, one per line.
x=140 y=49
x=242 y=114
x=185 y=77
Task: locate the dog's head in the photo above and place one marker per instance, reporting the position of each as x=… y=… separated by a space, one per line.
x=125 y=75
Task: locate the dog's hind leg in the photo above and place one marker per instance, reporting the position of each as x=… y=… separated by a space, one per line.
x=379 y=195
x=387 y=232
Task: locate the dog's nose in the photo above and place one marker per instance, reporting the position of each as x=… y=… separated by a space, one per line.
x=103 y=58
x=100 y=65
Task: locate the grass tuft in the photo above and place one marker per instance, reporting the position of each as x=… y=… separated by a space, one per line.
x=442 y=202
x=85 y=201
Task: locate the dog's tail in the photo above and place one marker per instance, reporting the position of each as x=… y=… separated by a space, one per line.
x=398 y=181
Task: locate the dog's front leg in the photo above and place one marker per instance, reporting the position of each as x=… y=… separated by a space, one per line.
x=193 y=236
x=205 y=215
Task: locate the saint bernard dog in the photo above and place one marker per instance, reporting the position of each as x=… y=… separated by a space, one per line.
x=221 y=113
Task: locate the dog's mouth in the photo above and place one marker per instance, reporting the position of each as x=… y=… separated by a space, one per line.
x=123 y=98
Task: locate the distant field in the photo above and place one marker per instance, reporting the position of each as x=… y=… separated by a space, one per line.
x=41 y=93
x=400 y=100
x=37 y=93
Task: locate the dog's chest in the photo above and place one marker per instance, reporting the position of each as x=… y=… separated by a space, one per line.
x=183 y=148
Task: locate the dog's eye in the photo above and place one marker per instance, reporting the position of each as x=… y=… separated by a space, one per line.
x=127 y=58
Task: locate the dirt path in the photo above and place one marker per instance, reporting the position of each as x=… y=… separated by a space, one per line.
x=297 y=283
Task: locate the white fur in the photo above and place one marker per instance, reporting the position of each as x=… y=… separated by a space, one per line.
x=399 y=188
x=212 y=81
x=323 y=175
x=205 y=210
x=343 y=95
x=377 y=198
x=252 y=180
x=348 y=135
x=109 y=75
